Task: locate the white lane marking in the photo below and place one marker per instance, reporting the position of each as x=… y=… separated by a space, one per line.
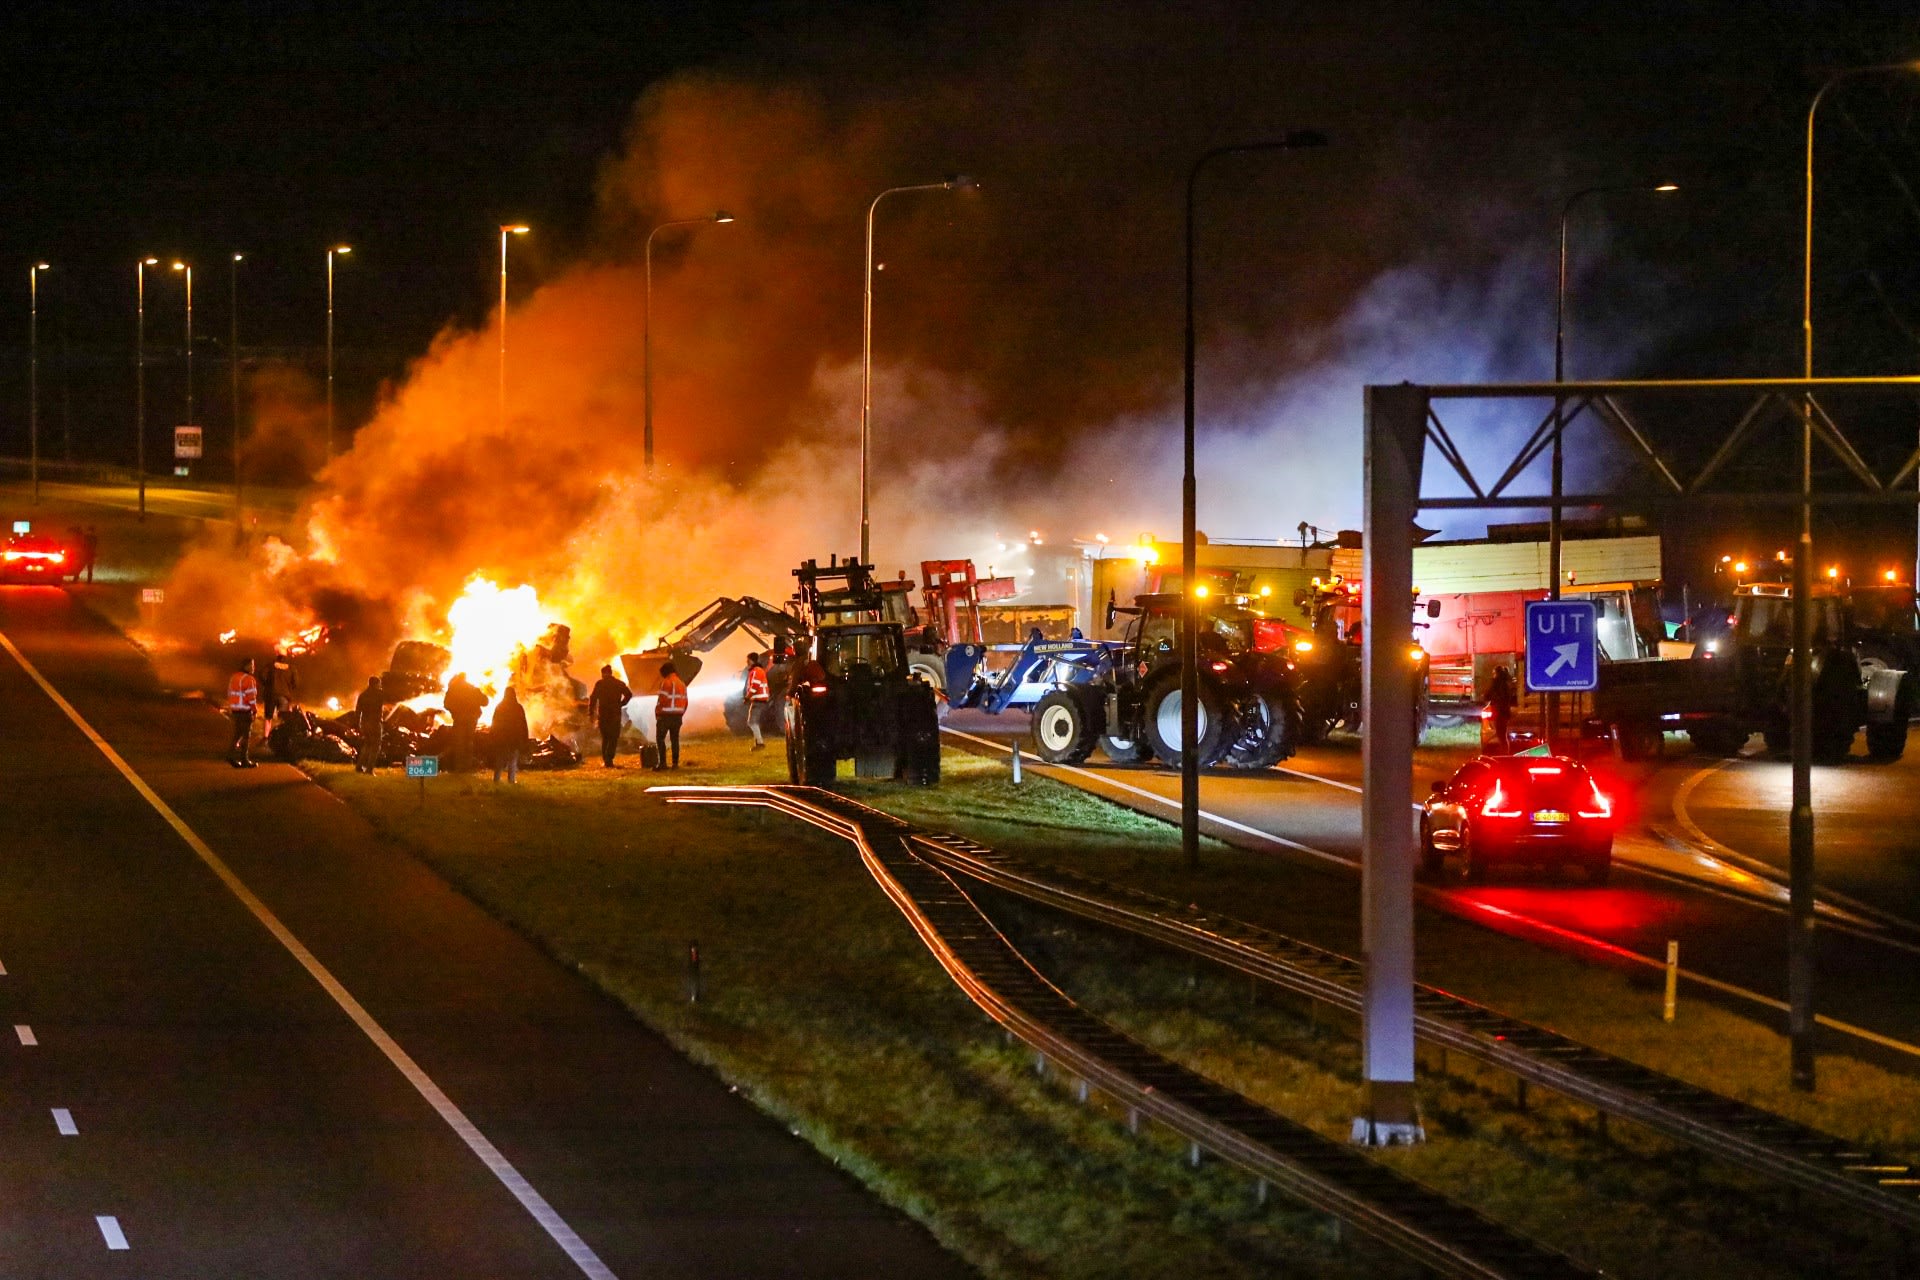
x=110 y=1229
x=1758 y=867
x=25 y=1033
x=531 y=1200
x=1466 y=905
x=1144 y=794
x=63 y=1121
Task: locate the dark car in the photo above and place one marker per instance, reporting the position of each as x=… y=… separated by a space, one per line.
x=1526 y=810
x=36 y=557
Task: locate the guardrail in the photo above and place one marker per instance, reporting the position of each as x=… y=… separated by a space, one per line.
x=1747 y=1136
x=1329 y=1176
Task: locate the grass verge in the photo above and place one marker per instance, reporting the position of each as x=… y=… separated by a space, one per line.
x=821 y=1005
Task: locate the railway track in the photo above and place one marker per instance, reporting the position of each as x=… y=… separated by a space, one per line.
x=1333 y=1177
x=1724 y=1127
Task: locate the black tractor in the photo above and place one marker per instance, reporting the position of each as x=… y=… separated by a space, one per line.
x=1127 y=696
x=854 y=695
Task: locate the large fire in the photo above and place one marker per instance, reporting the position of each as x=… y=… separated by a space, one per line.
x=488 y=626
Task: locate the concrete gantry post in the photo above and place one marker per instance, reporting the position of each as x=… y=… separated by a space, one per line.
x=1396 y=420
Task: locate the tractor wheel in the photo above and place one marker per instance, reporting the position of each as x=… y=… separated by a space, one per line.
x=1887 y=742
x=1125 y=750
x=1270 y=735
x=809 y=760
x=919 y=736
x=1163 y=720
x=1432 y=861
x=1640 y=741
x=1063 y=732
x=929 y=668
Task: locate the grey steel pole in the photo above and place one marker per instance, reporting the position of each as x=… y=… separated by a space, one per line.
x=189 y=275
x=33 y=373
x=1801 y=953
x=140 y=377
x=719 y=216
x=1396 y=419
x=1189 y=638
x=329 y=454
x=959 y=182
x=233 y=369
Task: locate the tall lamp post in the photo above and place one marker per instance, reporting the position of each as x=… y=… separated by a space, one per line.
x=506 y=229
x=719 y=216
x=337 y=251
x=1189 y=555
x=140 y=376
x=233 y=370
x=1555 y=512
x=33 y=372
x=188 y=269
x=959 y=182
x=1800 y=936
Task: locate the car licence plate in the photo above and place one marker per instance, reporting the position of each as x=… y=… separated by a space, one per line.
x=1551 y=816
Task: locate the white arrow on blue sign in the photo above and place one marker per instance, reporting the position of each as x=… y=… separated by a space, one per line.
x=1562 y=654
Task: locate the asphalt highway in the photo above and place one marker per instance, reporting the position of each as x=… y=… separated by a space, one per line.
x=251 y=1039
x=1722 y=901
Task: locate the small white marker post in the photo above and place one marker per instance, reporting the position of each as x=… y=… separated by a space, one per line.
x=110 y=1231
x=63 y=1123
x=1673 y=980
x=1016 y=762
x=25 y=1033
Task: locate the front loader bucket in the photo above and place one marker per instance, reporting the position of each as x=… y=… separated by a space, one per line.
x=643 y=669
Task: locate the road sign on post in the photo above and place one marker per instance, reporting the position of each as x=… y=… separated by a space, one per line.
x=189 y=442
x=423 y=766
x=1563 y=655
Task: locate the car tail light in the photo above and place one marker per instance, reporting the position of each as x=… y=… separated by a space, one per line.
x=818 y=688
x=57 y=556
x=1218 y=666
x=14 y=555
x=1597 y=807
x=1496 y=805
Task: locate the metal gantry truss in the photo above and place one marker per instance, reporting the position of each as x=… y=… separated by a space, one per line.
x=1401 y=423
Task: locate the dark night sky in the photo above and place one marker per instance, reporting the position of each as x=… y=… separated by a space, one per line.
x=413 y=130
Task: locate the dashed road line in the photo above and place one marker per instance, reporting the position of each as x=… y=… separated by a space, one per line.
x=531 y=1200
x=63 y=1123
x=25 y=1033
x=110 y=1230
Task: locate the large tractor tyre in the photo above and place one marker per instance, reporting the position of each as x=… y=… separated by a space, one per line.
x=734 y=711
x=1271 y=736
x=1887 y=742
x=1717 y=737
x=1839 y=704
x=930 y=668
x=1421 y=704
x=1164 y=716
x=917 y=758
x=1639 y=740
x=1319 y=712
x=1125 y=750
x=810 y=761
x=1063 y=730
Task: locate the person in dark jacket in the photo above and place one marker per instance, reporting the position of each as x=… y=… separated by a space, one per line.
x=607 y=705
x=1501 y=697
x=278 y=687
x=508 y=730
x=367 y=713
x=464 y=703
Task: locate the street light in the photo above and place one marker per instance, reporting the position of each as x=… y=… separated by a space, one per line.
x=506 y=229
x=1555 y=511
x=233 y=369
x=1190 y=611
x=140 y=376
x=719 y=216
x=181 y=266
x=33 y=371
x=339 y=250
x=959 y=182
x=1800 y=940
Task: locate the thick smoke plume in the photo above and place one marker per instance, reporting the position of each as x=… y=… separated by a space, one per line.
x=1026 y=354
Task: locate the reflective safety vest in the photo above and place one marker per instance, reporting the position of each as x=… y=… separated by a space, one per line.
x=673 y=697
x=757 y=685
x=243 y=692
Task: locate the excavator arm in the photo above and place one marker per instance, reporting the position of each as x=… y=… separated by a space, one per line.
x=705 y=630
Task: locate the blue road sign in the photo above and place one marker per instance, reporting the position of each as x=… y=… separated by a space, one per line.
x=423 y=766
x=1562 y=654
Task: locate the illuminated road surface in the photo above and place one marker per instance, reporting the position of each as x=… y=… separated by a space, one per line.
x=332 y=1064
x=1868 y=973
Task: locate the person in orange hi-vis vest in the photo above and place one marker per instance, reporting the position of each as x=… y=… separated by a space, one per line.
x=758 y=698
x=243 y=699
x=669 y=709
